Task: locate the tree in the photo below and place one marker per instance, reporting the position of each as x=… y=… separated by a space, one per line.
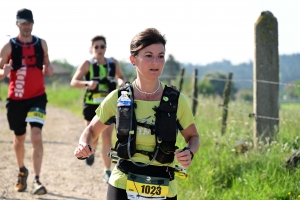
x=205 y=88
x=213 y=83
x=171 y=69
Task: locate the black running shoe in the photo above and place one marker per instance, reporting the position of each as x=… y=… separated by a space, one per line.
x=90 y=160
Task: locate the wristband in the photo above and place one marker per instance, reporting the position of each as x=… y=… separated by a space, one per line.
x=187 y=148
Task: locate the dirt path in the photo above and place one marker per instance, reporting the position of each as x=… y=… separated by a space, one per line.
x=64 y=176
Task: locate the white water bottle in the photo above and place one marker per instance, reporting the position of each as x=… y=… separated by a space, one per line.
x=124 y=100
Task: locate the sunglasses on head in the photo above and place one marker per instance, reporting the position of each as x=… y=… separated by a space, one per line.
x=101 y=46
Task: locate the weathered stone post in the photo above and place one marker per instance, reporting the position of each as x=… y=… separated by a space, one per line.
x=265 y=74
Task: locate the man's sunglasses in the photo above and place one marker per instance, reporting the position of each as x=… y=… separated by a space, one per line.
x=101 y=46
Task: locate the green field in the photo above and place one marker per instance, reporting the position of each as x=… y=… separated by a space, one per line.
x=218 y=170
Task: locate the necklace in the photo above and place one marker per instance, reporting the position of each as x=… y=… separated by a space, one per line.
x=147 y=93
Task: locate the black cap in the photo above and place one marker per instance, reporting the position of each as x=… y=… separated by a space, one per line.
x=24 y=15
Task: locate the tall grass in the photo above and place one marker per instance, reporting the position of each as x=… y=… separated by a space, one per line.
x=65 y=96
x=3 y=91
x=218 y=170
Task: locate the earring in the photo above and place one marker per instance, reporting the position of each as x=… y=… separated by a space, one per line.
x=133 y=64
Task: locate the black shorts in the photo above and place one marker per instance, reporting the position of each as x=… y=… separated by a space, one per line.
x=18 y=113
x=89 y=111
x=114 y=193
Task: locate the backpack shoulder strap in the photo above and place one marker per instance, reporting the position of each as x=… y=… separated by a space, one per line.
x=111 y=68
x=170 y=94
x=125 y=87
x=95 y=69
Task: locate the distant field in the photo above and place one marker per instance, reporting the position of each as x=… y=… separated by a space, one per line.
x=66 y=97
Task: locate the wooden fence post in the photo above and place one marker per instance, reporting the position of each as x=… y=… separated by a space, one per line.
x=195 y=92
x=226 y=98
x=181 y=79
x=266 y=68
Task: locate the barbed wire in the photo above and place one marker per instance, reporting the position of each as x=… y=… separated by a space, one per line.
x=249 y=114
x=233 y=80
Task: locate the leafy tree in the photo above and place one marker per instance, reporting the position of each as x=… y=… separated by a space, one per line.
x=171 y=69
x=213 y=83
x=205 y=88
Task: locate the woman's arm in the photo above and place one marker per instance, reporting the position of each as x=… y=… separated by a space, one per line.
x=192 y=138
x=81 y=71
x=89 y=135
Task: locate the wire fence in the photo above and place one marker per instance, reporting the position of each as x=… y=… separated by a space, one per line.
x=233 y=110
x=233 y=80
x=248 y=114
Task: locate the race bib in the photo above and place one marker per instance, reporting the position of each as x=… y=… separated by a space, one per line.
x=99 y=97
x=36 y=115
x=140 y=187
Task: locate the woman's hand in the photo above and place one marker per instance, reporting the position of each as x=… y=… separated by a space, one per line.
x=89 y=136
x=184 y=157
x=92 y=85
x=83 y=150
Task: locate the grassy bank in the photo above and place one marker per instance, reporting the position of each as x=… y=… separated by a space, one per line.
x=219 y=171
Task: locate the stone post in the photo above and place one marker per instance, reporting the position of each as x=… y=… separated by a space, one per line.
x=266 y=68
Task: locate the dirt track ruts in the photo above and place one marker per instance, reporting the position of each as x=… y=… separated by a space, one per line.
x=64 y=176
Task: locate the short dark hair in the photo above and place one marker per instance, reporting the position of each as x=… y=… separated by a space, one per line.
x=98 y=37
x=145 y=38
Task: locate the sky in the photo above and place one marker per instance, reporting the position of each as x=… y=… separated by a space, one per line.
x=197 y=31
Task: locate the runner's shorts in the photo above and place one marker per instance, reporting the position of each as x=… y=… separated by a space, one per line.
x=19 y=112
x=89 y=111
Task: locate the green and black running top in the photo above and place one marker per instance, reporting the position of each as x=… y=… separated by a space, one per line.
x=105 y=76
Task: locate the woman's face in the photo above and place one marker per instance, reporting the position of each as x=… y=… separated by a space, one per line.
x=150 y=61
x=98 y=48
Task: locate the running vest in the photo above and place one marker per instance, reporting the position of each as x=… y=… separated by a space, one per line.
x=105 y=76
x=26 y=78
x=165 y=128
x=20 y=57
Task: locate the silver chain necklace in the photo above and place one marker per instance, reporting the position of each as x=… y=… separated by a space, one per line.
x=147 y=93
